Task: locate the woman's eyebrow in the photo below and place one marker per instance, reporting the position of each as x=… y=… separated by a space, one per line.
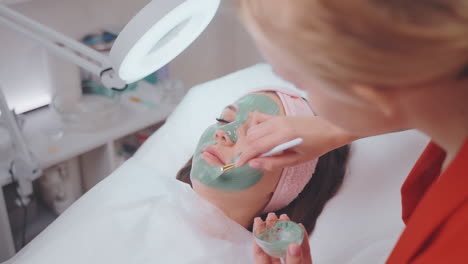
x=232 y=108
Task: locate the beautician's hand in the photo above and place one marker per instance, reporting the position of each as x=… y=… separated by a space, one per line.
x=266 y=132
x=297 y=254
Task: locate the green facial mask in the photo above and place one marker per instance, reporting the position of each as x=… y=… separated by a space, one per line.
x=238 y=178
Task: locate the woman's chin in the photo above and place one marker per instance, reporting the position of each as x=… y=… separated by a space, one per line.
x=208 y=193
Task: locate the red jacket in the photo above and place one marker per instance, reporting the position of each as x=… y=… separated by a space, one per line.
x=435 y=210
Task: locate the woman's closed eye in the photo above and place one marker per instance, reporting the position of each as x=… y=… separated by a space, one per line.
x=227 y=116
x=222 y=121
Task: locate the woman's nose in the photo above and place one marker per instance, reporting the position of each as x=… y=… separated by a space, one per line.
x=222 y=138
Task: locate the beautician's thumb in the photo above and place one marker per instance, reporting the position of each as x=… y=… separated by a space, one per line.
x=294 y=255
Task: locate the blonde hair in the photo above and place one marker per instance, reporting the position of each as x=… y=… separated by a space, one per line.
x=377 y=42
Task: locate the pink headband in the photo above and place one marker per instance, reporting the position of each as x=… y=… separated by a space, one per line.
x=293 y=179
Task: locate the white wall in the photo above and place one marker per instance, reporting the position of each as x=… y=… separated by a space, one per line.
x=223 y=48
x=29 y=75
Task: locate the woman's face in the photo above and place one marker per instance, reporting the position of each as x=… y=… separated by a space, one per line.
x=222 y=143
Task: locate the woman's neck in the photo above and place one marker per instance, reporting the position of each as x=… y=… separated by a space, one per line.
x=241 y=215
x=442 y=114
x=237 y=206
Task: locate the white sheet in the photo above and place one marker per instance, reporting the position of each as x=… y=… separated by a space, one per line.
x=136 y=217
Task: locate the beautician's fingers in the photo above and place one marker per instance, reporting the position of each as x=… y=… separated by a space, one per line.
x=284 y=217
x=257 y=117
x=260 y=257
x=271 y=220
x=299 y=254
x=275 y=260
x=260 y=124
x=259 y=226
x=288 y=159
x=319 y=135
x=264 y=133
x=306 y=256
x=294 y=255
x=255 y=148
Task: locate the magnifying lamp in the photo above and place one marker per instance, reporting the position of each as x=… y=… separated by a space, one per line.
x=158 y=34
x=155 y=36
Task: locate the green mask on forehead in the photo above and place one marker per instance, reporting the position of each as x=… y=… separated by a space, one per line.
x=238 y=178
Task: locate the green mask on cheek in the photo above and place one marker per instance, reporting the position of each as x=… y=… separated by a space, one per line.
x=238 y=178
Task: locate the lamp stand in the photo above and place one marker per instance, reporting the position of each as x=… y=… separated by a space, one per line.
x=24 y=166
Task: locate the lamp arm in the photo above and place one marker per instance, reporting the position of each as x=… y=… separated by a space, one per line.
x=68 y=48
x=54 y=35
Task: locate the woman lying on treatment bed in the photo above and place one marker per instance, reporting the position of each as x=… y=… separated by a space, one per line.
x=148 y=218
x=245 y=193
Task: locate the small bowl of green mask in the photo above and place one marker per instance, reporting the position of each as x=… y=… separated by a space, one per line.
x=274 y=241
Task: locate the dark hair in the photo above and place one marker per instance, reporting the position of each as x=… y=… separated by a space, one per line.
x=306 y=208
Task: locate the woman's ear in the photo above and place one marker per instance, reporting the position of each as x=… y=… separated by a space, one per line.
x=380 y=99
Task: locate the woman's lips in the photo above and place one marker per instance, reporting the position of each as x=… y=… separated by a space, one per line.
x=211 y=156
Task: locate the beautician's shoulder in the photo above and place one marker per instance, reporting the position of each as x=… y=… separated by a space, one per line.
x=451 y=242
